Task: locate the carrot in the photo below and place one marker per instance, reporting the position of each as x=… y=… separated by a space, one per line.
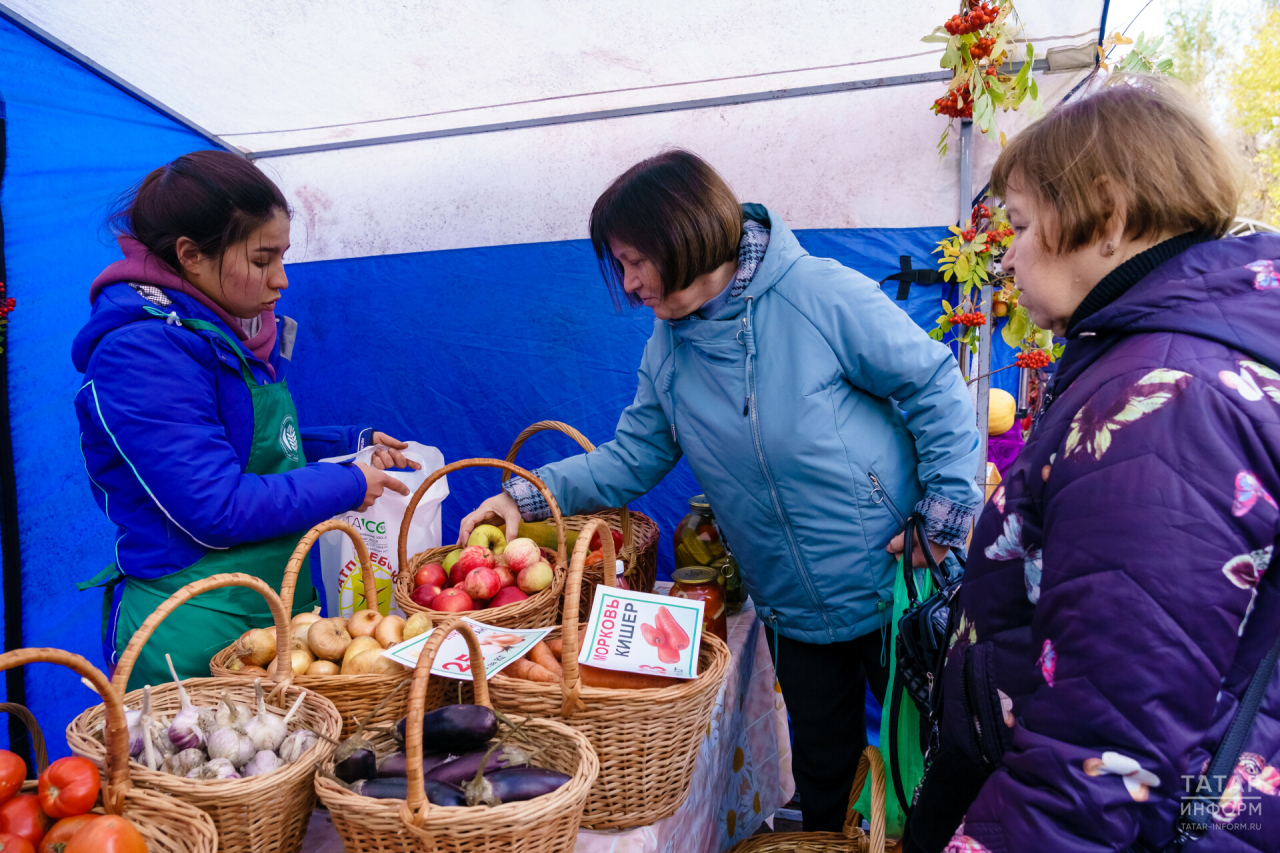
x=530 y=671
x=557 y=648
x=542 y=656
x=595 y=677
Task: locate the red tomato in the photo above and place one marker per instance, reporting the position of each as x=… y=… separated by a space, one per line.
x=10 y=843
x=69 y=786
x=108 y=834
x=594 y=544
x=12 y=771
x=22 y=816
x=56 y=839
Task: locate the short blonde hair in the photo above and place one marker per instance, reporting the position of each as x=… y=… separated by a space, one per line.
x=1152 y=146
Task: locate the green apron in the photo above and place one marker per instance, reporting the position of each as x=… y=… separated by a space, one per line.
x=201 y=628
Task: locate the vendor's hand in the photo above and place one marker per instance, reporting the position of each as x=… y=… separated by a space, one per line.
x=917 y=558
x=502 y=507
x=386 y=453
x=375 y=481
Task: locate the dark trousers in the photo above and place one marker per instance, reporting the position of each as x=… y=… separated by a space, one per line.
x=825 y=690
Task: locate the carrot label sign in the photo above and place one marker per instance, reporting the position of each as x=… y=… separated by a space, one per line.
x=634 y=631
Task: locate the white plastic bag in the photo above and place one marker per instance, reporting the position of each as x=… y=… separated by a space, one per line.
x=379 y=526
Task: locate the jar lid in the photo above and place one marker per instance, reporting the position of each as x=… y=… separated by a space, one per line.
x=699 y=502
x=694 y=574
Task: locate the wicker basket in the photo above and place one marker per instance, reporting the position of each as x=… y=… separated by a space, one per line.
x=168 y=825
x=647 y=740
x=547 y=824
x=536 y=611
x=852 y=839
x=639 y=531
x=261 y=814
x=357 y=697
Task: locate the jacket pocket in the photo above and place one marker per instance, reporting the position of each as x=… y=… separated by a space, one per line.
x=989 y=727
x=884 y=499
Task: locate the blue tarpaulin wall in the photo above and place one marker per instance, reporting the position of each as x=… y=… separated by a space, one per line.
x=459 y=349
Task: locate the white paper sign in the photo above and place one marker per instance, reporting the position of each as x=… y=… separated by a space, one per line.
x=499 y=646
x=641 y=632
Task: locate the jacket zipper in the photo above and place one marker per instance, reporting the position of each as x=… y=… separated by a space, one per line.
x=888 y=501
x=773 y=495
x=966 y=676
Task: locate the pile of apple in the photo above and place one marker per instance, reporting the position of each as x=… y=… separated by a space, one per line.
x=489 y=572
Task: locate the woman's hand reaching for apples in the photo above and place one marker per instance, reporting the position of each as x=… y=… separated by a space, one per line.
x=386 y=453
x=917 y=558
x=375 y=482
x=502 y=506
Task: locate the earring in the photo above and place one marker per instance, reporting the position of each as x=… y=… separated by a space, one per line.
x=1111 y=249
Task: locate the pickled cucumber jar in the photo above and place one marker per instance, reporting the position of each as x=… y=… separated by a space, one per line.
x=698 y=543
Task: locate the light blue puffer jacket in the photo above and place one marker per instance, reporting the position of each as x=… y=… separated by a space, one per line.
x=790 y=404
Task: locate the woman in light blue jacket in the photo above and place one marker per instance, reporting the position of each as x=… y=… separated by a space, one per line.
x=815 y=415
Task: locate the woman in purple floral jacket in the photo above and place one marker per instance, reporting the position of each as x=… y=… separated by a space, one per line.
x=1122 y=585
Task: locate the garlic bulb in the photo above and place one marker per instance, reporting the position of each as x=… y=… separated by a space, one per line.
x=160 y=738
x=133 y=719
x=230 y=743
x=296 y=745
x=217 y=768
x=263 y=762
x=182 y=763
x=184 y=731
x=265 y=729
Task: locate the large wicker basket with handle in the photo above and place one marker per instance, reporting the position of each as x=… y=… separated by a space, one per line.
x=168 y=825
x=647 y=740
x=358 y=698
x=260 y=814
x=546 y=824
x=537 y=611
x=639 y=532
x=852 y=839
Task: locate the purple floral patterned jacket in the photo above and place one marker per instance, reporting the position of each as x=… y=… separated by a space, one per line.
x=1117 y=598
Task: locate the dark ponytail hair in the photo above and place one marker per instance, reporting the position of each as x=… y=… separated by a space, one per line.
x=214 y=198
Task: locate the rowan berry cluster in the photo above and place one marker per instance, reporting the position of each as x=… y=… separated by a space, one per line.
x=956 y=104
x=970 y=318
x=981 y=211
x=1034 y=360
x=7 y=306
x=977 y=18
x=999 y=234
x=982 y=49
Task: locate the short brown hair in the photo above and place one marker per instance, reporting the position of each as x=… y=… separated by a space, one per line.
x=1153 y=146
x=676 y=211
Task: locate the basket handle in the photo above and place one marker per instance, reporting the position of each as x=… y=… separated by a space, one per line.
x=870 y=763
x=290 y=582
x=403 y=554
x=139 y=639
x=117 y=729
x=28 y=719
x=624 y=514
x=416 y=804
x=571 y=686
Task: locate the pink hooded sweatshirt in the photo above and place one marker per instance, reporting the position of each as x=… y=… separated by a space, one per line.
x=141 y=266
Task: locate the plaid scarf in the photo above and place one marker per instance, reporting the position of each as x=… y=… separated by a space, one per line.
x=755 y=242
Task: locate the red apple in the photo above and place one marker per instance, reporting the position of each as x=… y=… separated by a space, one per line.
x=505 y=575
x=474 y=557
x=535 y=578
x=521 y=554
x=483 y=584
x=424 y=594
x=452 y=601
x=509 y=595
x=431 y=573
x=549 y=554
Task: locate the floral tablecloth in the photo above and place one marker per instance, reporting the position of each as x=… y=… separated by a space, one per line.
x=742 y=776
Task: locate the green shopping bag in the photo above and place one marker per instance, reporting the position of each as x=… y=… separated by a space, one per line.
x=905 y=742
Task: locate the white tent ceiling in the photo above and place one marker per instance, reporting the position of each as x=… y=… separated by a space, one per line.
x=292 y=74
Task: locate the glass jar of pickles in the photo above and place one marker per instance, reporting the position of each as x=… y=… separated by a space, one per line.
x=698 y=543
x=698 y=583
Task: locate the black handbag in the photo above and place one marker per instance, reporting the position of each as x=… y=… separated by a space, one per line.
x=920 y=649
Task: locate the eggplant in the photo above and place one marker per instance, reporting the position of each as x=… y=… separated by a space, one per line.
x=524 y=783
x=456 y=728
x=356 y=765
x=438 y=793
x=463 y=768
x=395 y=765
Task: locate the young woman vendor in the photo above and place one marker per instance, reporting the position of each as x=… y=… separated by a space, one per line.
x=190 y=437
x=813 y=412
